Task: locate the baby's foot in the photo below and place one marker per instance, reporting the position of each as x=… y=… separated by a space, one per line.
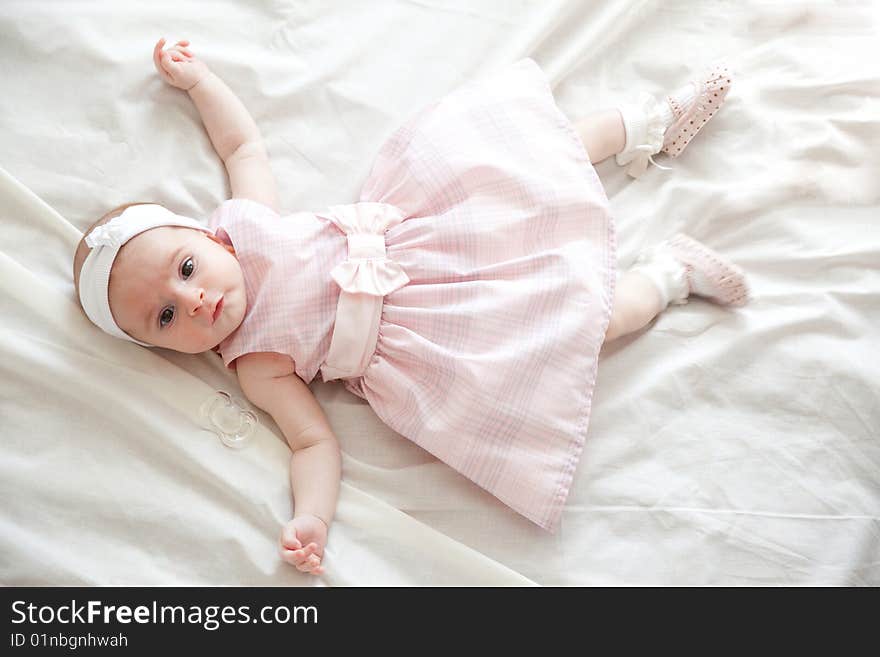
x=709 y=274
x=693 y=106
x=653 y=125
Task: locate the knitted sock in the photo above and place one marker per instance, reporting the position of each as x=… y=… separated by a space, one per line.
x=667 y=273
x=637 y=116
x=635 y=123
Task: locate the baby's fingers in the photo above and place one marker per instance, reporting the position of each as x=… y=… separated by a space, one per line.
x=288 y=556
x=303 y=563
x=302 y=554
x=177 y=51
x=157 y=53
x=311 y=565
x=167 y=62
x=289 y=539
x=170 y=65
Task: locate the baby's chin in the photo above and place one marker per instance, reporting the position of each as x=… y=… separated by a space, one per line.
x=193 y=349
x=190 y=351
x=197 y=350
x=213 y=344
x=214 y=347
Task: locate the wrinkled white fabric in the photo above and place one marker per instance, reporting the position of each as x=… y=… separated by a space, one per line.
x=725 y=447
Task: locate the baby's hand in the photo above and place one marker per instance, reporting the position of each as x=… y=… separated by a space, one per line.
x=308 y=531
x=178 y=66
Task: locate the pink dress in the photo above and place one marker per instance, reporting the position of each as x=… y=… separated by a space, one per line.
x=487 y=348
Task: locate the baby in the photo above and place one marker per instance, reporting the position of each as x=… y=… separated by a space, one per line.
x=466 y=296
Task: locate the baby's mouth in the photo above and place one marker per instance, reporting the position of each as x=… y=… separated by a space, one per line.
x=217 y=310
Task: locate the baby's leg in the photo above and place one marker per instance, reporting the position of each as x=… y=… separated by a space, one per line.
x=603 y=134
x=636 y=302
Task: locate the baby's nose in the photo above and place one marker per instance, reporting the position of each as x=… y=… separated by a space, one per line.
x=197 y=302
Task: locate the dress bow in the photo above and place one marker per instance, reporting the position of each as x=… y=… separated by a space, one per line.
x=367 y=270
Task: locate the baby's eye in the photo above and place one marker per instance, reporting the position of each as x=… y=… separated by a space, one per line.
x=166 y=316
x=187 y=268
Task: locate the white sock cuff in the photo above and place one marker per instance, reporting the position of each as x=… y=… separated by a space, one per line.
x=635 y=124
x=644 y=123
x=666 y=272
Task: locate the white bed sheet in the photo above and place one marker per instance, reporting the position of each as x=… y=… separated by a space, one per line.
x=724 y=448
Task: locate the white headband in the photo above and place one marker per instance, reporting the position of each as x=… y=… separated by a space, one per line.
x=105 y=242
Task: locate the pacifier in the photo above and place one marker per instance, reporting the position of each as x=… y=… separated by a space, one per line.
x=229 y=418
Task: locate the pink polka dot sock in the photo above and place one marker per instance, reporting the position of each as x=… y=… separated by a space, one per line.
x=710 y=275
x=683 y=96
x=670 y=123
x=682 y=266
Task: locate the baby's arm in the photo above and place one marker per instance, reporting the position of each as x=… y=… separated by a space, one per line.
x=236 y=139
x=270 y=381
x=230 y=126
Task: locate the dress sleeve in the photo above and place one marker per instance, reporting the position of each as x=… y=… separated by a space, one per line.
x=234 y=208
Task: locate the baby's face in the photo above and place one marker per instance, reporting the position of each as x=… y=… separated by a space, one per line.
x=165 y=287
